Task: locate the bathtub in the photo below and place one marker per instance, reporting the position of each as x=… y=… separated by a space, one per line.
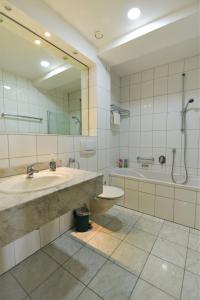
x=155 y=194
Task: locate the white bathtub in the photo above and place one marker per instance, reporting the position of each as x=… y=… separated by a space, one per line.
x=155 y=194
x=148 y=175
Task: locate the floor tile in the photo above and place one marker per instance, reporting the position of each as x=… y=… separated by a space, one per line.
x=177 y=226
x=102 y=219
x=130 y=258
x=10 y=289
x=114 y=211
x=34 y=270
x=145 y=291
x=148 y=225
x=191 y=287
x=169 y=251
x=60 y=285
x=128 y=217
x=194 y=242
x=84 y=237
x=103 y=243
x=85 y=264
x=117 y=229
x=193 y=261
x=174 y=235
x=113 y=282
x=163 y=275
x=141 y=239
x=87 y=294
x=62 y=248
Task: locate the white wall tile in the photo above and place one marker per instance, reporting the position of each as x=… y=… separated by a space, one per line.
x=49 y=232
x=46 y=145
x=22 y=145
x=146 y=203
x=164 y=208
x=184 y=213
x=4 y=146
x=7 y=258
x=26 y=245
x=131 y=199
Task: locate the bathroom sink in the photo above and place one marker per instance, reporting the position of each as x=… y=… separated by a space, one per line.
x=40 y=181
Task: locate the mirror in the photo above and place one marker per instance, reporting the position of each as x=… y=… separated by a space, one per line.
x=43 y=90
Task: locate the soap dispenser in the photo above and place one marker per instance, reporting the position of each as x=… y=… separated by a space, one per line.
x=52 y=164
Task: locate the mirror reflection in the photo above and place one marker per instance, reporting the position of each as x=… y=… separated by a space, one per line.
x=42 y=89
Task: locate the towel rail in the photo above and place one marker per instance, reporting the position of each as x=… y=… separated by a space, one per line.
x=21 y=116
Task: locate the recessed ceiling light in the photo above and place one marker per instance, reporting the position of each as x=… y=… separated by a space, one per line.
x=37 y=42
x=134 y=13
x=98 y=35
x=6 y=87
x=44 y=63
x=47 y=34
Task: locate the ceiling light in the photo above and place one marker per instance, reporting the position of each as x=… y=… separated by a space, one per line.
x=37 y=42
x=6 y=87
x=47 y=34
x=98 y=35
x=44 y=63
x=134 y=13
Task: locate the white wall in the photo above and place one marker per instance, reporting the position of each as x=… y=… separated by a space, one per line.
x=154 y=99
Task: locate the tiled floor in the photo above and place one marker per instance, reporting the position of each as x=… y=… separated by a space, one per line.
x=127 y=255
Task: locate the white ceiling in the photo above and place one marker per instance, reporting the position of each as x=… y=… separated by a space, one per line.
x=110 y=16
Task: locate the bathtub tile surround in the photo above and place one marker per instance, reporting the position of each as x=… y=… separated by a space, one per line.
x=161 y=262
x=154 y=99
x=158 y=198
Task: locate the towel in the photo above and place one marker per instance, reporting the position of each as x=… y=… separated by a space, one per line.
x=116 y=118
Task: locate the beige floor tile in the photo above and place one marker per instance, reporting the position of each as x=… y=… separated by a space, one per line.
x=169 y=251
x=193 y=261
x=145 y=291
x=141 y=239
x=34 y=270
x=84 y=237
x=60 y=285
x=194 y=242
x=163 y=275
x=10 y=289
x=113 y=282
x=176 y=226
x=62 y=248
x=84 y=264
x=174 y=235
x=191 y=287
x=87 y=294
x=149 y=225
x=117 y=229
x=130 y=258
x=103 y=243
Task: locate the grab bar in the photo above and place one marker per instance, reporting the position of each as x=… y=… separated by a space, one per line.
x=20 y=116
x=150 y=160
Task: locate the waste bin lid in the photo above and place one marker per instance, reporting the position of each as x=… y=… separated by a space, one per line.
x=82 y=211
x=111 y=192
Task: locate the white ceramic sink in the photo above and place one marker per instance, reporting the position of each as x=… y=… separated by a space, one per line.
x=40 y=181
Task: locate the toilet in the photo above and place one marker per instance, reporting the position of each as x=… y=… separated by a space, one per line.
x=111 y=195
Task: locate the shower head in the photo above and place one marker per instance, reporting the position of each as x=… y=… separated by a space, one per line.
x=186 y=106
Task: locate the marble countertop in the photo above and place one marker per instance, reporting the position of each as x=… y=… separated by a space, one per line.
x=9 y=200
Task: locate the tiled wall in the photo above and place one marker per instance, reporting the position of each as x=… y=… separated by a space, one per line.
x=154 y=99
x=18 y=95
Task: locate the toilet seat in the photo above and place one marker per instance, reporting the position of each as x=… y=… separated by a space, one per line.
x=111 y=192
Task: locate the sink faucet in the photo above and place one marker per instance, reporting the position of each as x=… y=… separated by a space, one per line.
x=30 y=171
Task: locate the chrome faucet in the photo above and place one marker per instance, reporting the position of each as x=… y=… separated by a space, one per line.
x=30 y=171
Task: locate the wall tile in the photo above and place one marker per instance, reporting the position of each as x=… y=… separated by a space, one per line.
x=22 y=145
x=46 y=145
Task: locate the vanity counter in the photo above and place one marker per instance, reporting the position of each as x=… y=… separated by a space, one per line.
x=21 y=213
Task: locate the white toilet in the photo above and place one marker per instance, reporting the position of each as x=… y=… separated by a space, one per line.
x=111 y=195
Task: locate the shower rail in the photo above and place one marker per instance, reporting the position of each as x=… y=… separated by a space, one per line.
x=21 y=116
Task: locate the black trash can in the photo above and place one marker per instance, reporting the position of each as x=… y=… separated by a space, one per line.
x=81 y=216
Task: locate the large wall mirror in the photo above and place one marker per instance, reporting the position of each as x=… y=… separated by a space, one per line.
x=43 y=90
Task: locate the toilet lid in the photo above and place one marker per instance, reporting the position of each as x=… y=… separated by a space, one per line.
x=111 y=192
